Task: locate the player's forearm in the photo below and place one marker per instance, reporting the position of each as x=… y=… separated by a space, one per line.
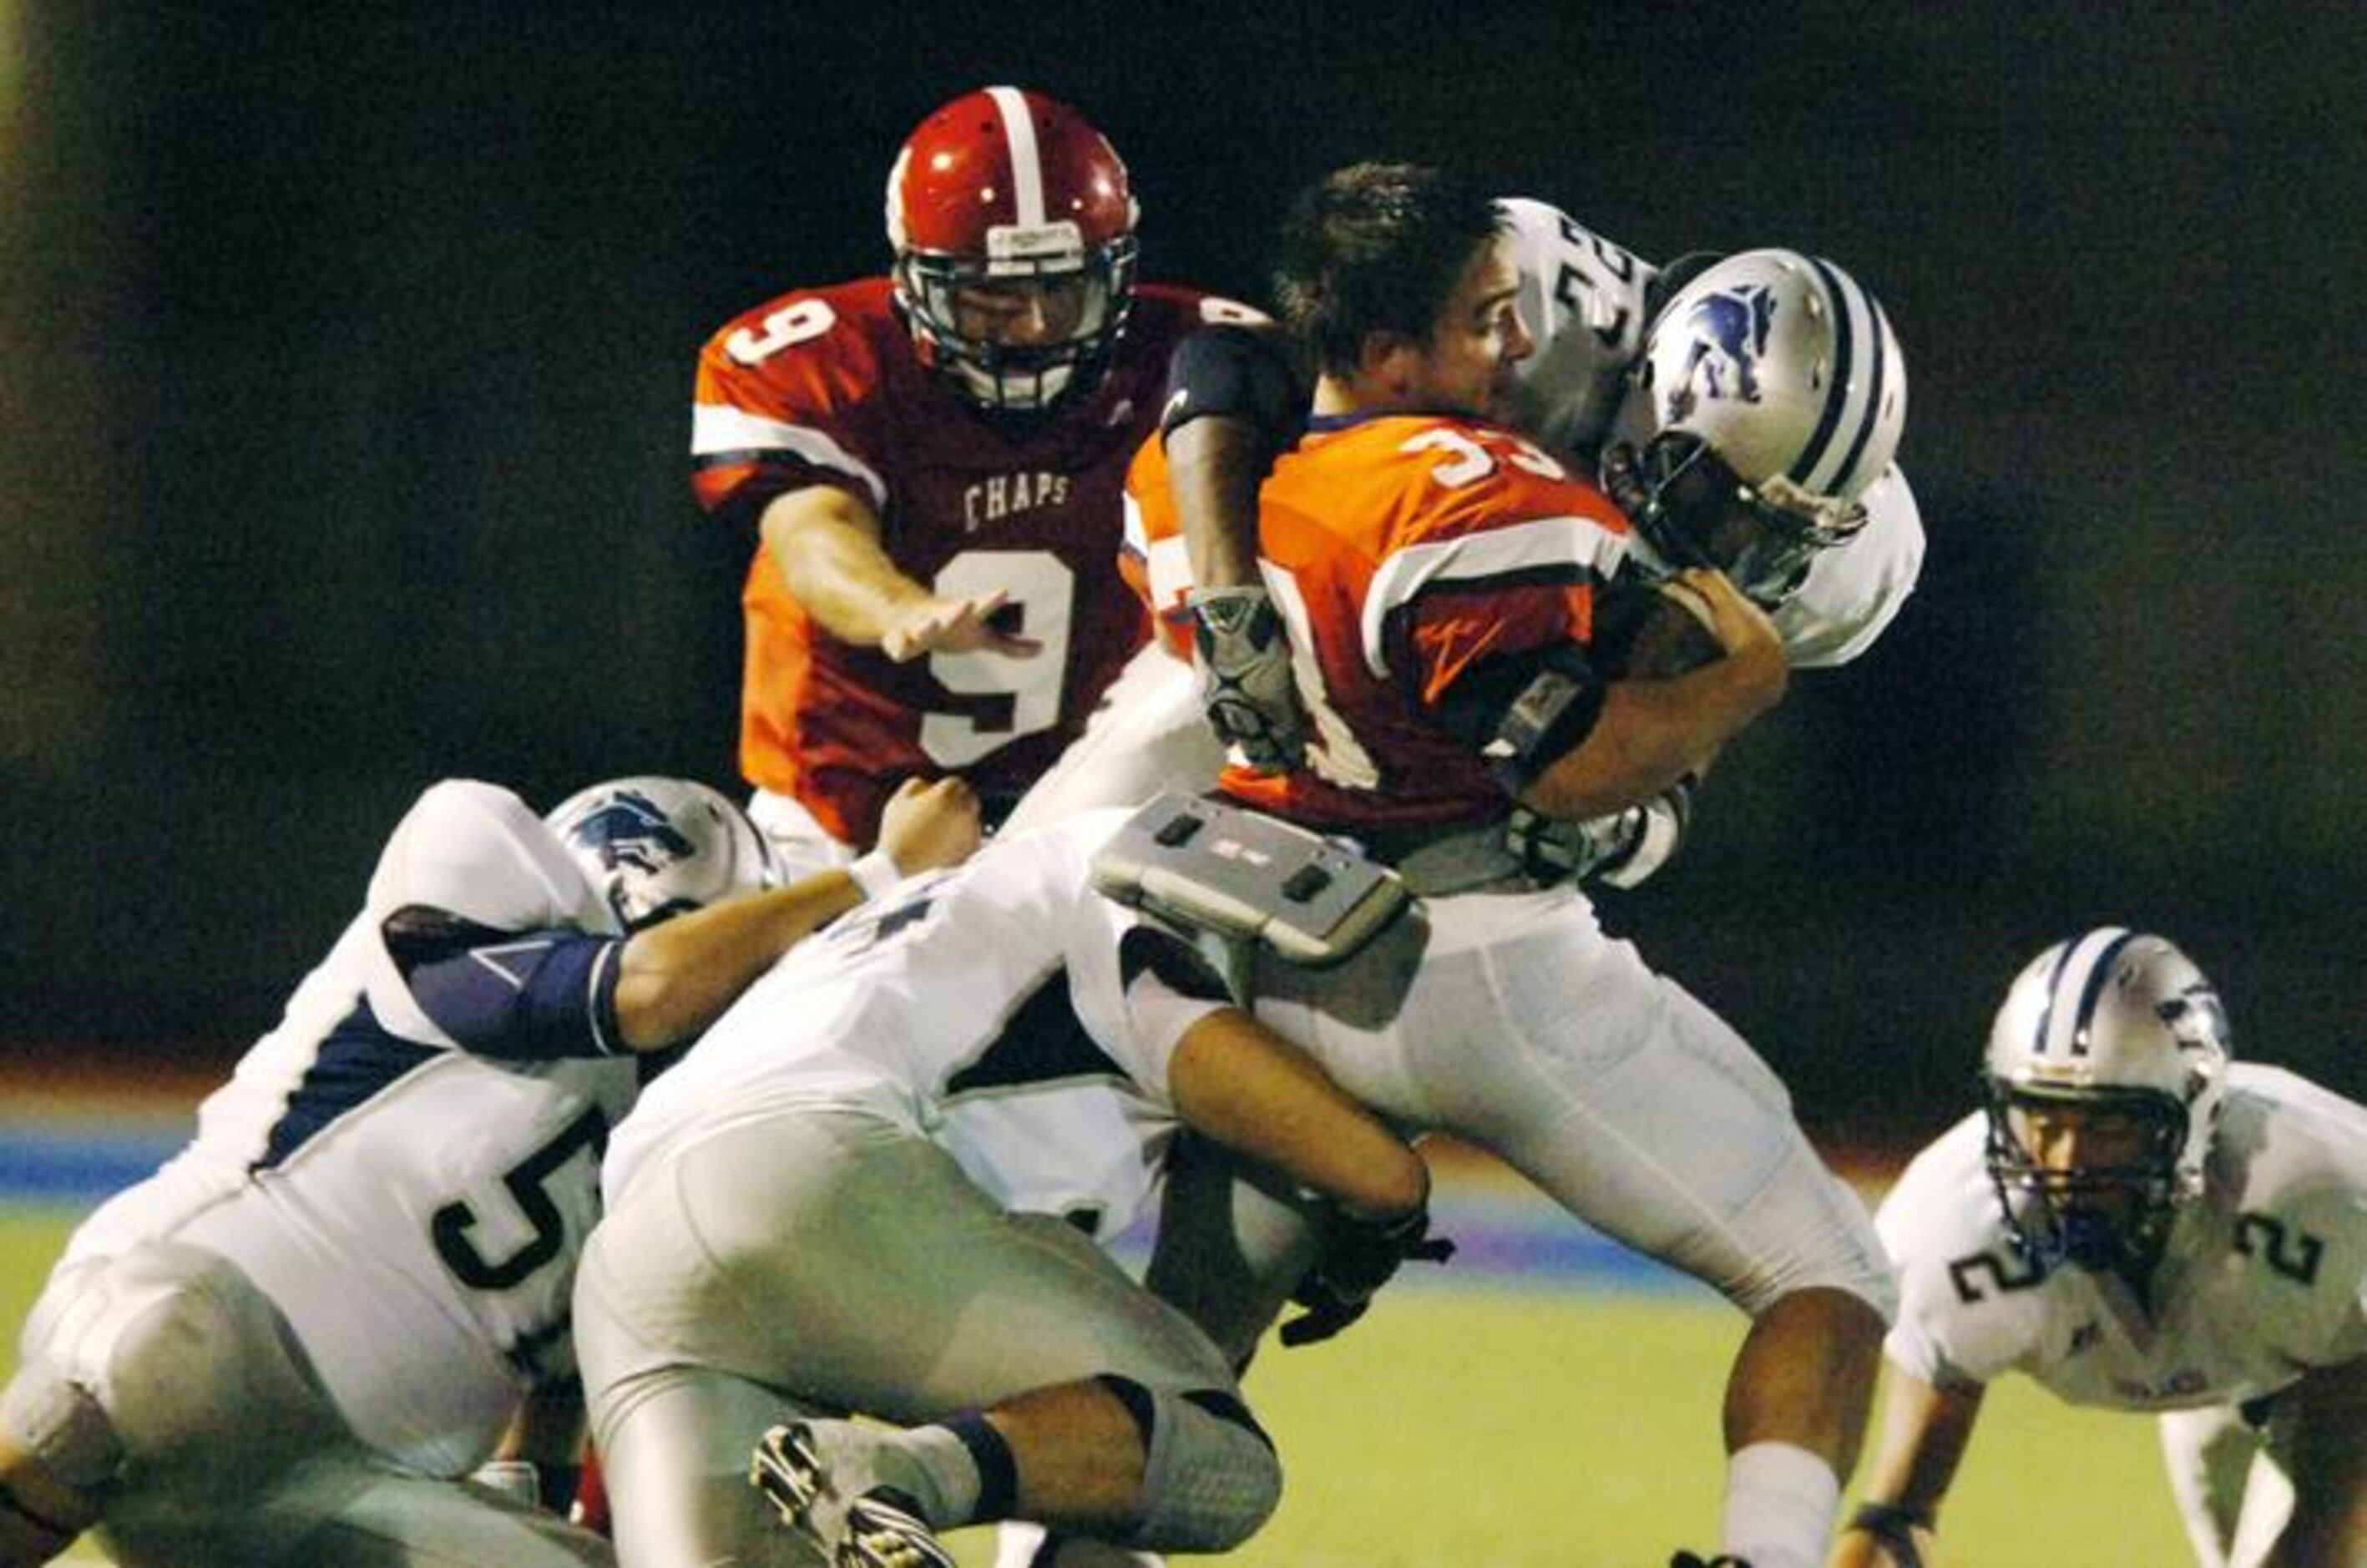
x=1925 y=1430
x=676 y=978
x=1255 y=1093
x=1214 y=467
x=2328 y=1470
x=1651 y=734
x=826 y=546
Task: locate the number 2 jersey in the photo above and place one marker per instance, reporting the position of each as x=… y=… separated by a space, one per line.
x=2264 y=1276
x=412 y=1206
x=821 y=387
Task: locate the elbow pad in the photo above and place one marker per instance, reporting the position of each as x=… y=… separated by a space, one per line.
x=1236 y=372
x=1522 y=711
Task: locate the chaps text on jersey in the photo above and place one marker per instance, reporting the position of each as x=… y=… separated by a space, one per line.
x=1006 y=494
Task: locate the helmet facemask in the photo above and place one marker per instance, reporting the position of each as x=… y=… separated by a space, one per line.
x=2111 y=1209
x=2106 y=1068
x=1694 y=510
x=948 y=298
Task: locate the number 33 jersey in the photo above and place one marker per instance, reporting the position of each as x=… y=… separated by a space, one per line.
x=412 y=1208
x=821 y=387
x=2264 y=1277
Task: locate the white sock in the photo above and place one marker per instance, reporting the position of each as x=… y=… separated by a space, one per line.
x=1781 y=1502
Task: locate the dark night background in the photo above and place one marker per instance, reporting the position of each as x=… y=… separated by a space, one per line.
x=345 y=375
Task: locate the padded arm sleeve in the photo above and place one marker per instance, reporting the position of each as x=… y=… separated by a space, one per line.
x=516 y=997
x=1520 y=711
x=1242 y=372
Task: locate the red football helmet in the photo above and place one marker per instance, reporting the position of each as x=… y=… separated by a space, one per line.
x=1013 y=233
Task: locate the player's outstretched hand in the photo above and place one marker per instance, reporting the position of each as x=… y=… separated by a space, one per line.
x=1242 y=656
x=930 y=824
x=1741 y=628
x=1359 y=1256
x=955 y=626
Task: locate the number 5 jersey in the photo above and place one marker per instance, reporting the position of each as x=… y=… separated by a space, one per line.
x=408 y=1163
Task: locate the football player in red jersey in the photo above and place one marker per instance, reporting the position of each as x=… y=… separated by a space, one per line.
x=932 y=464
x=1439 y=576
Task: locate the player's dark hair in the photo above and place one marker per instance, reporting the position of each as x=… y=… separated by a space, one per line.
x=1375 y=247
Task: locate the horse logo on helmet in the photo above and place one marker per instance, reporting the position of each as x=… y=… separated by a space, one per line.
x=1729 y=332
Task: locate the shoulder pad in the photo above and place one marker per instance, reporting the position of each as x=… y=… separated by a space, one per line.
x=475 y=850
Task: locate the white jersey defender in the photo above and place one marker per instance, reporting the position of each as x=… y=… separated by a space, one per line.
x=2138 y=1222
x=878 y=1184
x=403 y=1202
x=2263 y=1277
x=290 y=1344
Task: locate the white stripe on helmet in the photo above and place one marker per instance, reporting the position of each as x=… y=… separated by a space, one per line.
x=1026 y=161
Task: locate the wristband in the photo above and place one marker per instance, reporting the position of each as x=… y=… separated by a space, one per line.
x=1894 y=1525
x=874 y=873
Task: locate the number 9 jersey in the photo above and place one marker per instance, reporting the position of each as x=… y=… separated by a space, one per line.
x=823 y=387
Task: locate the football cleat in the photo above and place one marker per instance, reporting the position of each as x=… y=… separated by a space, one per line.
x=882 y=1528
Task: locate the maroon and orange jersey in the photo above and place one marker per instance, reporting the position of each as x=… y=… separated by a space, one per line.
x=1402 y=551
x=821 y=387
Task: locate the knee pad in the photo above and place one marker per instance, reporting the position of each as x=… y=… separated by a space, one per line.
x=1209 y=1474
x=59 y=1455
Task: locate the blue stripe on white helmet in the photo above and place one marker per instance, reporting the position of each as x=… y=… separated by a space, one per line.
x=1786 y=366
x=2111 y=1020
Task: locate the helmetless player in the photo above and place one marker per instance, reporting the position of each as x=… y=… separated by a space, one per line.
x=931 y=462
x=292 y=1343
x=1704 y=424
x=1447 y=569
x=2138 y=1222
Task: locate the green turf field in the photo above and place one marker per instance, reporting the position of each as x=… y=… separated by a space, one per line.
x=1558 y=1427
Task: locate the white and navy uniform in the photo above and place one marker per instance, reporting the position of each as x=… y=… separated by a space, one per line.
x=377 y=1219
x=2263 y=1278
x=876 y=1184
x=1585 y=302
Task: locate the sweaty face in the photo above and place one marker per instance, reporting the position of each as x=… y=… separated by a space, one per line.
x=1467 y=364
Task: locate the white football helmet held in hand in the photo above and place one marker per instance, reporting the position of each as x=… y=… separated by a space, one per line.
x=2106 y=1069
x=1770 y=388
x=657 y=847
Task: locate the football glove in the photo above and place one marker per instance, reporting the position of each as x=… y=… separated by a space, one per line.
x=1359 y=1256
x=1620 y=850
x=1246 y=691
